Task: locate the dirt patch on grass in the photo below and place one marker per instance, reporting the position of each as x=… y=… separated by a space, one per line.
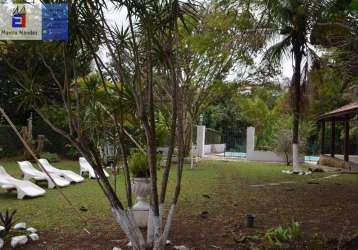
x=327 y=213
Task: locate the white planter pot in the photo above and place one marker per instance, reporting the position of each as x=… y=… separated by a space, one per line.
x=141 y=187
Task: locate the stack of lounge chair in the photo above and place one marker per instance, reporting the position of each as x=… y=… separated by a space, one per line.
x=31 y=173
x=22 y=187
x=25 y=188
x=54 y=177
x=86 y=168
x=66 y=174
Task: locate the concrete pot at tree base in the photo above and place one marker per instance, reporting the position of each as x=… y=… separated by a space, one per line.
x=141 y=187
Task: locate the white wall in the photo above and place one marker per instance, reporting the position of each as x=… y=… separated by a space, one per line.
x=218 y=148
x=207 y=149
x=203 y=149
x=214 y=148
x=269 y=156
x=250 y=139
x=164 y=150
x=259 y=155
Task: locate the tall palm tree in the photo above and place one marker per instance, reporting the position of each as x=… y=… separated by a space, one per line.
x=294 y=20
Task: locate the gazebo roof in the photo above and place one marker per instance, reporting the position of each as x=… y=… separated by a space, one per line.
x=340 y=113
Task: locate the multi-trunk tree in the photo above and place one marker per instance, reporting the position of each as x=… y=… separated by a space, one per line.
x=137 y=54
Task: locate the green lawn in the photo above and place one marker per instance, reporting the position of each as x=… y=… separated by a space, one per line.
x=51 y=212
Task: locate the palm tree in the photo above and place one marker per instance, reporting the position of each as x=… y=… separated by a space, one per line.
x=294 y=19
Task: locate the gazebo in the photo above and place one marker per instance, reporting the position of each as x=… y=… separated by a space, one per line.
x=343 y=114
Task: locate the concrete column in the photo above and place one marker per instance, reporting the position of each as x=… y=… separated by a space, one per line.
x=200 y=140
x=250 y=139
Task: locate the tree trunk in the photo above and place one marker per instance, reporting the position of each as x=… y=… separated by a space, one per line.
x=296 y=82
x=287 y=159
x=126 y=220
x=40 y=143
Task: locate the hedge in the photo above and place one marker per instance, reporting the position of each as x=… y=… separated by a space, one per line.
x=54 y=143
x=10 y=145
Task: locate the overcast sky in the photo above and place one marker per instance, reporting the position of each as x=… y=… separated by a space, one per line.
x=119 y=18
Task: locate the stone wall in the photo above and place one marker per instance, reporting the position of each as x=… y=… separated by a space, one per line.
x=327 y=160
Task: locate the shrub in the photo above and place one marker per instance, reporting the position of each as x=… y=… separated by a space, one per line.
x=51 y=157
x=162 y=135
x=282 y=141
x=277 y=236
x=72 y=152
x=138 y=165
x=10 y=145
x=8 y=221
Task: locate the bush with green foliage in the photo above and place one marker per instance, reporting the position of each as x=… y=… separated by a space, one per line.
x=279 y=235
x=8 y=221
x=162 y=131
x=162 y=135
x=54 y=142
x=72 y=152
x=51 y=157
x=282 y=140
x=138 y=165
x=10 y=145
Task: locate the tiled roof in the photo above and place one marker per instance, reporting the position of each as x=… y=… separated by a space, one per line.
x=348 y=109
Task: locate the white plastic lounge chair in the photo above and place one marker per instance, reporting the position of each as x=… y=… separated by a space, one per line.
x=32 y=173
x=85 y=167
x=67 y=174
x=23 y=188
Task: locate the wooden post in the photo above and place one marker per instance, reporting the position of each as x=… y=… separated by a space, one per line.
x=333 y=138
x=346 y=138
x=40 y=143
x=29 y=127
x=323 y=132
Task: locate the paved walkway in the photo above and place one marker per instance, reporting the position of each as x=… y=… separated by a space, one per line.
x=222 y=158
x=294 y=182
x=352 y=158
x=273 y=184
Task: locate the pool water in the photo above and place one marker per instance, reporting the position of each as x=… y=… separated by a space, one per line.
x=243 y=155
x=233 y=154
x=311 y=158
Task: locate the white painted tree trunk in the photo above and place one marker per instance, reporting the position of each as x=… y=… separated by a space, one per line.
x=295 y=162
x=161 y=213
x=156 y=234
x=128 y=225
x=168 y=224
x=150 y=228
x=158 y=245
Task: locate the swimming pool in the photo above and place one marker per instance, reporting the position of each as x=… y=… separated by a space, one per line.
x=233 y=154
x=243 y=155
x=311 y=158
